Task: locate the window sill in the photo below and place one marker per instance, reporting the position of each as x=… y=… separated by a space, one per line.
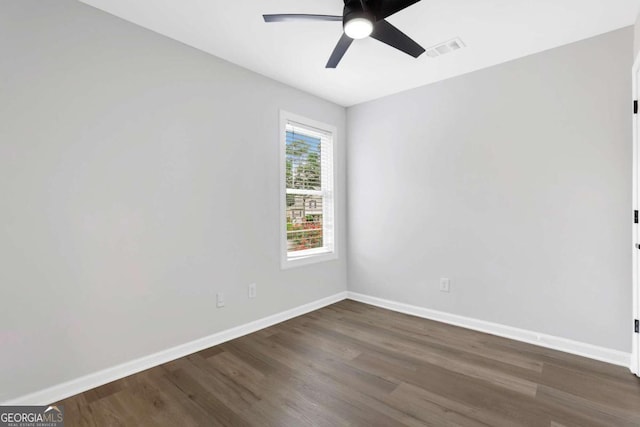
x=307 y=258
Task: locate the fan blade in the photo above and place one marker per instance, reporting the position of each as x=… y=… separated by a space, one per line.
x=384 y=8
x=388 y=34
x=297 y=17
x=342 y=46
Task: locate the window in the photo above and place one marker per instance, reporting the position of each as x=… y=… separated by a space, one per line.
x=307 y=191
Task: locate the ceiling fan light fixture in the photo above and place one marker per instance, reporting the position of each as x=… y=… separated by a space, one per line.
x=358 y=28
x=361 y=19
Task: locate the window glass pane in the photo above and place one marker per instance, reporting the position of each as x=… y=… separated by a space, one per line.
x=304 y=222
x=303 y=161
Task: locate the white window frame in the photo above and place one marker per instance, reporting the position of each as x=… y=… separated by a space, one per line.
x=330 y=210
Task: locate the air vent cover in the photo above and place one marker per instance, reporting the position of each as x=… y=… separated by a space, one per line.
x=444 y=48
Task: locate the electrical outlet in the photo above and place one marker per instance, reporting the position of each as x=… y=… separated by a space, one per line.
x=219 y=299
x=445 y=284
x=252 y=290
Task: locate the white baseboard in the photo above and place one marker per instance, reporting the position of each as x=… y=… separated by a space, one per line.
x=96 y=379
x=87 y=382
x=603 y=354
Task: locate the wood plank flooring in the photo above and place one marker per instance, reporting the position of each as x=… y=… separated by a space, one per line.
x=358 y=365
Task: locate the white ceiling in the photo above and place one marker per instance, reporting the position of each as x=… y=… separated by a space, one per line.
x=495 y=31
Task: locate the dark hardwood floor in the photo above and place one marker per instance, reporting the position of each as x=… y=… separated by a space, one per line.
x=354 y=364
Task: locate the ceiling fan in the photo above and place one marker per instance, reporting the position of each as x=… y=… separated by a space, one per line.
x=361 y=19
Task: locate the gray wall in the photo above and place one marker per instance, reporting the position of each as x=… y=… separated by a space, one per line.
x=636 y=37
x=513 y=181
x=138 y=177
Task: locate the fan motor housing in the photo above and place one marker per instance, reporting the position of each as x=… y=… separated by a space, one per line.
x=353 y=9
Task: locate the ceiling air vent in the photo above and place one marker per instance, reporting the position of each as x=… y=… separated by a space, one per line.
x=444 y=48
